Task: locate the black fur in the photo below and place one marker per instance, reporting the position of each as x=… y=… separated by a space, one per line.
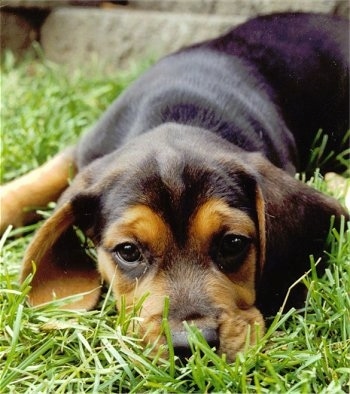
x=267 y=86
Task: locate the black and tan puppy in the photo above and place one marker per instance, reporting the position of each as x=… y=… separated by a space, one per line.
x=186 y=184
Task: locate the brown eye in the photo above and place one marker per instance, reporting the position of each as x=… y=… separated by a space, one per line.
x=231 y=251
x=128 y=253
x=130 y=258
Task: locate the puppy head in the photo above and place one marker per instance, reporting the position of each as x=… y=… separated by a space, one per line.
x=179 y=213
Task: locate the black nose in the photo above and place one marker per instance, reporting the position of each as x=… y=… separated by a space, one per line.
x=180 y=341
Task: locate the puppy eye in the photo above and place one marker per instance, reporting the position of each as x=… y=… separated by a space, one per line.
x=131 y=260
x=231 y=251
x=128 y=253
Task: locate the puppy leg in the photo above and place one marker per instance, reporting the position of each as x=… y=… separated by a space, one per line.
x=19 y=198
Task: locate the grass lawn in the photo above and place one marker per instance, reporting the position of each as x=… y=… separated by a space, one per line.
x=45 y=108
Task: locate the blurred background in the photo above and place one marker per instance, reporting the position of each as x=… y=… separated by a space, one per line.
x=75 y=32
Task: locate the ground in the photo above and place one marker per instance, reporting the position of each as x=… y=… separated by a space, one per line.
x=44 y=108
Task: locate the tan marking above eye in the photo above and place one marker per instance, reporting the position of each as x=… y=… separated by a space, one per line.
x=215 y=216
x=139 y=223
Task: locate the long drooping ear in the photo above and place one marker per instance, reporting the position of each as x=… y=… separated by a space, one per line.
x=58 y=261
x=297 y=222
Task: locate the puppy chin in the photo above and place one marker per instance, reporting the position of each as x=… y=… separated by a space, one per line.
x=239 y=328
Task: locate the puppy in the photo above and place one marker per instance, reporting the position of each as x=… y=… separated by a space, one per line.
x=186 y=185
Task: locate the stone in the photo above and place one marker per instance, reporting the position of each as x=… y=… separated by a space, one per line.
x=243 y=7
x=259 y=7
x=75 y=36
x=34 y=3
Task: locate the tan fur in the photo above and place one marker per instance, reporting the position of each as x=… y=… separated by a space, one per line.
x=238 y=317
x=132 y=291
x=260 y=209
x=36 y=189
x=52 y=280
x=214 y=215
x=146 y=226
x=139 y=223
x=233 y=294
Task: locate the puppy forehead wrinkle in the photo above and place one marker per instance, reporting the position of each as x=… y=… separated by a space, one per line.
x=171 y=165
x=138 y=221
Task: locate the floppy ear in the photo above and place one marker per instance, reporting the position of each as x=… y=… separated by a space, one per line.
x=297 y=222
x=62 y=268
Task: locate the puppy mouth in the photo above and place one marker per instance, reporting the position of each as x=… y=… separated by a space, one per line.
x=181 y=342
x=180 y=337
x=228 y=334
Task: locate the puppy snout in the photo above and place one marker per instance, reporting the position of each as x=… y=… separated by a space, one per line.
x=181 y=344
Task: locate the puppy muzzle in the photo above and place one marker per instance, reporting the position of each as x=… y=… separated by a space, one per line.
x=181 y=343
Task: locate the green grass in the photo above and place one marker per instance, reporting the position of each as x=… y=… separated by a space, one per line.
x=45 y=108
